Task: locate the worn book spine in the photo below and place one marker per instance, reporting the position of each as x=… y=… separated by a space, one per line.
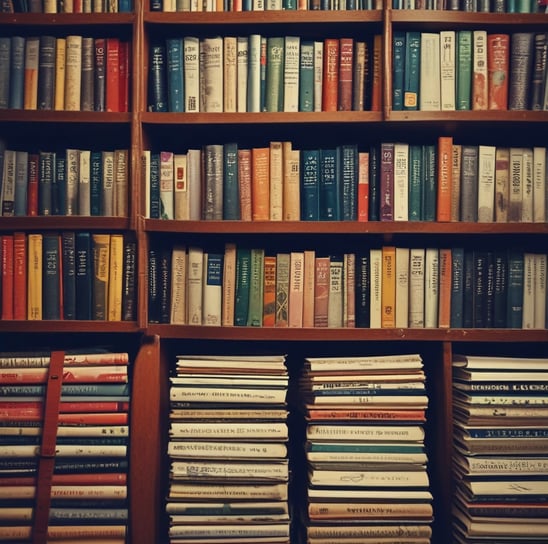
x=73 y=73
x=158 y=99
x=112 y=74
x=256 y=288
x=274 y=84
x=445 y=178
x=464 y=70
x=479 y=70
x=241 y=301
x=498 y=65
x=174 y=72
x=283 y=262
x=269 y=291
x=30 y=86
x=330 y=85
x=521 y=63
x=51 y=278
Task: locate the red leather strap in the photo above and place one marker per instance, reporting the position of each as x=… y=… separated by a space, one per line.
x=46 y=459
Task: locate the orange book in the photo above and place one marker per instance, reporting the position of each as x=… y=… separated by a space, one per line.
x=20 y=275
x=112 y=75
x=308 y=295
x=229 y=285
x=330 y=86
x=498 y=64
x=321 y=291
x=296 y=288
x=260 y=183
x=30 y=84
x=7 y=276
x=445 y=170
x=363 y=186
x=388 y=294
x=444 y=300
x=346 y=71
x=244 y=183
x=34 y=277
x=376 y=74
x=269 y=291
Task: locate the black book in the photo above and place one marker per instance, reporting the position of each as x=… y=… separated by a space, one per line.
x=129 y=307
x=46 y=72
x=51 y=281
x=99 y=84
x=363 y=293
x=84 y=275
x=68 y=261
x=158 y=82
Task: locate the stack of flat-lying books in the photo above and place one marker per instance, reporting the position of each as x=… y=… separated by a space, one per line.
x=229 y=468
x=367 y=465
x=500 y=408
x=88 y=488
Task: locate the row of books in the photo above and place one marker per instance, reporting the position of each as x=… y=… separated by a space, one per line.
x=469 y=70
x=500 y=448
x=264 y=73
x=391 y=181
x=258 y=5
x=71 y=73
x=89 y=482
x=377 y=288
x=70 y=182
x=73 y=275
x=482 y=6
x=364 y=449
x=66 y=6
x=229 y=466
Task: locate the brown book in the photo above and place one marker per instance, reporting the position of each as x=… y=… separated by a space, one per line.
x=260 y=183
x=269 y=291
x=376 y=74
x=444 y=301
x=445 y=170
x=388 y=293
x=32 y=187
x=346 y=71
x=112 y=75
x=498 y=64
x=330 y=87
x=244 y=183
x=321 y=291
x=30 y=83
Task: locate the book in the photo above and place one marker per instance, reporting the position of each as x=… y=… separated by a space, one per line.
x=260 y=183
x=330 y=74
x=486 y=183
x=73 y=72
x=30 y=83
x=388 y=293
x=448 y=66
x=498 y=64
x=291 y=73
x=283 y=275
x=430 y=77
x=445 y=178
x=411 y=71
x=464 y=70
x=241 y=301
x=521 y=62
x=275 y=51
x=346 y=74
x=480 y=87
x=256 y=288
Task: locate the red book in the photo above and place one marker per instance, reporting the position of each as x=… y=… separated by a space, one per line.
x=498 y=63
x=445 y=171
x=32 y=186
x=112 y=95
x=363 y=186
x=20 y=275
x=124 y=59
x=269 y=291
x=7 y=276
x=330 y=86
x=346 y=70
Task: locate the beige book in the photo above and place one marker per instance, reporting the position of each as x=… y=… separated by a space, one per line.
x=291 y=183
x=335 y=302
x=242 y=47
x=145 y=180
x=181 y=202
x=230 y=75
x=178 y=285
x=486 y=183
x=402 y=287
x=60 y=71
x=276 y=181
x=73 y=180
x=296 y=288
x=229 y=285
x=108 y=183
x=455 y=182
x=515 y=192
x=73 y=73
x=375 y=264
x=416 y=287
x=502 y=180
x=540 y=264
x=539 y=185
x=429 y=85
x=401 y=181
x=193 y=162
x=431 y=287
x=308 y=287
x=447 y=70
x=194 y=285
x=121 y=182
x=211 y=54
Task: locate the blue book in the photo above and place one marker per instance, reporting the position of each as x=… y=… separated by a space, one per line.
x=157 y=100
x=310 y=185
x=329 y=185
x=415 y=182
x=154 y=186
x=231 y=189
x=175 y=75
x=21 y=183
x=125 y=6
x=411 y=70
x=514 y=304
x=457 y=287
x=84 y=275
x=306 y=75
x=68 y=260
x=468 y=291
x=96 y=182
x=59 y=188
x=5 y=69
x=51 y=294
x=398 y=69
x=17 y=73
x=348 y=154
x=500 y=289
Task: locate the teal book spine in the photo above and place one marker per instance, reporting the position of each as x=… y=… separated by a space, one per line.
x=231 y=189
x=329 y=185
x=411 y=76
x=349 y=181
x=429 y=183
x=256 y=281
x=398 y=69
x=464 y=70
x=514 y=305
x=96 y=182
x=17 y=73
x=274 y=74
x=310 y=185
x=241 y=300
x=457 y=287
x=306 y=77
x=175 y=75
x=51 y=295
x=415 y=182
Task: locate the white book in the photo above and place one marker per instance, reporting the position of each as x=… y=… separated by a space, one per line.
x=8 y=184
x=401 y=181
x=479 y=70
x=416 y=287
x=528 y=315
x=73 y=73
x=273 y=5
x=181 y=203
x=194 y=169
x=486 y=183
x=178 y=285
x=430 y=83
x=318 y=75
x=242 y=53
x=194 y=285
x=276 y=181
x=145 y=179
x=448 y=69
x=230 y=74
x=258 y=5
x=431 y=287
x=191 y=46
x=211 y=53
x=539 y=321
x=73 y=180
x=84 y=193
x=291 y=73
x=527 y=186
x=254 y=74
x=402 y=287
x=212 y=273
x=515 y=195
x=539 y=185
x=166 y=185
x=375 y=258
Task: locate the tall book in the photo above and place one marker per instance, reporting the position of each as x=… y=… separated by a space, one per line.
x=375 y=265
x=291 y=73
x=34 y=277
x=464 y=70
x=73 y=72
x=101 y=270
x=468 y=183
x=191 y=83
x=115 y=278
x=502 y=180
x=416 y=287
x=30 y=88
x=411 y=80
x=444 y=178
x=321 y=291
x=401 y=181
x=486 y=183
x=7 y=276
x=431 y=287
x=283 y=262
x=335 y=300
x=330 y=86
x=274 y=99
x=291 y=183
x=521 y=63
x=211 y=72
x=195 y=285
x=20 y=273
x=260 y=182
x=84 y=275
x=346 y=74
x=269 y=291
x=229 y=285
x=448 y=70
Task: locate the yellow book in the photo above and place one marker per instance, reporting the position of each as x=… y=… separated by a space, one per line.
x=60 y=60
x=115 y=276
x=101 y=269
x=34 y=285
x=178 y=285
x=121 y=182
x=388 y=293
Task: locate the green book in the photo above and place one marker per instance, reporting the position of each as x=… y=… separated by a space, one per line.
x=429 y=183
x=256 y=282
x=411 y=70
x=348 y=154
x=306 y=77
x=243 y=270
x=274 y=92
x=398 y=69
x=464 y=70
x=415 y=182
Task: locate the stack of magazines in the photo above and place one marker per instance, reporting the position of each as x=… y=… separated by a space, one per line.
x=365 y=452
x=89 y=484
x=501 y=449
x=229 y=469
x=367 y=477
